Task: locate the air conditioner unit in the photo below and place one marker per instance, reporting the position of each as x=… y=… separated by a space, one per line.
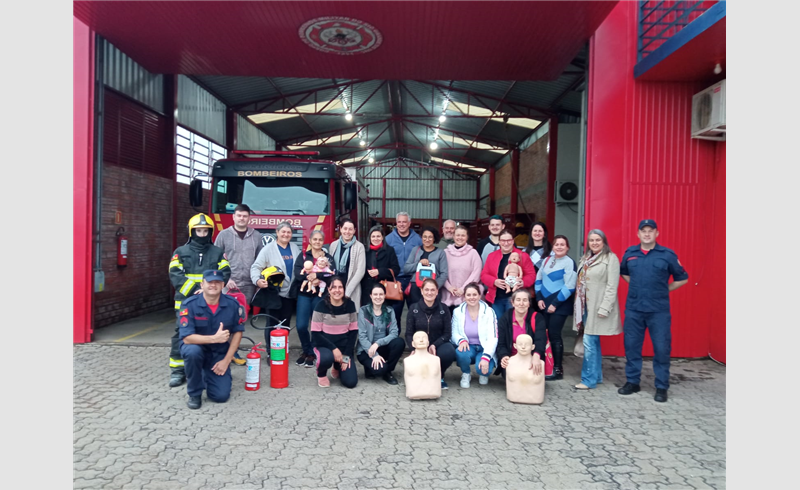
x=708 y=113
x=566 y=192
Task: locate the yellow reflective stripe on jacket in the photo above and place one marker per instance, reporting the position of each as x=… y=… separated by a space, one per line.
x=187 y=286
x=175 y=362
x=195 y=277
x=175 y=263
x=223 y=263
x=178 y=305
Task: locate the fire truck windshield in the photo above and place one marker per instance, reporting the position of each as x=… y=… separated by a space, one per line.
x=281 y=196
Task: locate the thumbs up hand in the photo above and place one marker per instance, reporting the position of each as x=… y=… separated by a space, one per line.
x=221 y=336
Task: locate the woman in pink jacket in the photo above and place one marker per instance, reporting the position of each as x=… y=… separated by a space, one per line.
x=463 y=265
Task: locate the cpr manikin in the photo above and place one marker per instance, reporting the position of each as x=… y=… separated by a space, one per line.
x=422 y=371
x=524 y=379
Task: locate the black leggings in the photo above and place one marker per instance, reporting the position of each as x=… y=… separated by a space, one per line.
x=554 y=323
x=390 y=352
x=348 y=377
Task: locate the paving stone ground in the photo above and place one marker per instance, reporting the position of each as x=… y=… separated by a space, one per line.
x=132 y=431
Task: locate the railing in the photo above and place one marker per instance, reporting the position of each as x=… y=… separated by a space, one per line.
x=660 y=20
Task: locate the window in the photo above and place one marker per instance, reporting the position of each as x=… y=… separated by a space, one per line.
x=195 y=157
x=271 y=196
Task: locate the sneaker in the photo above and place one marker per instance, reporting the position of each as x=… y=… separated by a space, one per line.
x=484 y=380
x=628 y=388
x=194 y=402
x=465 y=379
x=239 y=361
x=323 y=382
x=310 y=361
x=334 y=373
x=301 y=361
x=444 y=385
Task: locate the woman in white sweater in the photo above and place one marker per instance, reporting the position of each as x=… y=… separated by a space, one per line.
x=474 y=333
x=349 y=256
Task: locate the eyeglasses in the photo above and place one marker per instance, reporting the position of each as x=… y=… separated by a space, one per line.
x=506 y=241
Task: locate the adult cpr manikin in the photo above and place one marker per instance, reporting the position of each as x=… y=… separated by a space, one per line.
x=522 y=385
x=421 y=371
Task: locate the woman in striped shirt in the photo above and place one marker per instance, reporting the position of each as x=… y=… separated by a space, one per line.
x=334 y=329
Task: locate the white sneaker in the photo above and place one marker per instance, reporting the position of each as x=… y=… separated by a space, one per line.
x=484 y=380
x=465 y=379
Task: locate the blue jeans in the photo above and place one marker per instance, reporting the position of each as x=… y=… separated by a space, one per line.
x=592 y=370
x=472 y=356
x=501 y=306
x=305 y=308
x=636 y=322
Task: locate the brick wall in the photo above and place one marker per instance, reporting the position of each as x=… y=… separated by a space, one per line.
x=532 y=182
x=145 y=201
x=502 y=190
x=533 y=179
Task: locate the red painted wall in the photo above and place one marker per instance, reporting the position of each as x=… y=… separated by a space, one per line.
x=643 y=163
x=82 y=132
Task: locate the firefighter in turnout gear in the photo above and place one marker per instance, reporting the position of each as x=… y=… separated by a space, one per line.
x=186 y=273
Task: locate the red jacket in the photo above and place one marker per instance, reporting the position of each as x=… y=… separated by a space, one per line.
x=489 y=272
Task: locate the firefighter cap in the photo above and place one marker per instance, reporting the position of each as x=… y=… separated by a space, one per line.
x=213 y=275
x=200 y=221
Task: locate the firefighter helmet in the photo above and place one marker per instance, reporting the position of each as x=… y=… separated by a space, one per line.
x=200 y=221
x=273 y=275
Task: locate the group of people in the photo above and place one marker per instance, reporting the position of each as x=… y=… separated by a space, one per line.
x=472 y=303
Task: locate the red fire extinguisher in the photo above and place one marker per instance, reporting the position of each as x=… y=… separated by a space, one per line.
x=252 y=380
x=279 y=357
x=122 y=248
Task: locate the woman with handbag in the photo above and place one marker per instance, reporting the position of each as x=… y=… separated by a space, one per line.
x=596 y=310
x=348 y=254
x=379 y=345
x=381 y=267
x=426 y=255
x=463 y=267
x=308 y=300
x=522 y=318
x=474 y=333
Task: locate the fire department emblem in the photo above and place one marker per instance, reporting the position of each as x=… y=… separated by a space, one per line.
x=340 y=35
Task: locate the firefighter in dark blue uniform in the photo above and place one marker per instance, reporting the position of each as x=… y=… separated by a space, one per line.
x=211 y=326
x=647 y=267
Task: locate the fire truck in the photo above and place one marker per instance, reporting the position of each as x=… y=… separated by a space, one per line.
x=279 y=186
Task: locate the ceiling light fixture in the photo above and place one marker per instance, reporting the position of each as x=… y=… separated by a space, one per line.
x=434 y=145
x=362 y=143
x=371 y=160
x=442 y=118
x=348 y=116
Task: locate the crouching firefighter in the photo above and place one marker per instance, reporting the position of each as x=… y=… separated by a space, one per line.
x=186 y=273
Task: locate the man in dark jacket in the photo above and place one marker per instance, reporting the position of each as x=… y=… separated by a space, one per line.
x=186 y=273
x=210 y=327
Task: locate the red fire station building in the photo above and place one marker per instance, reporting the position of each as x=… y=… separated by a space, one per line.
x=632 y=93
